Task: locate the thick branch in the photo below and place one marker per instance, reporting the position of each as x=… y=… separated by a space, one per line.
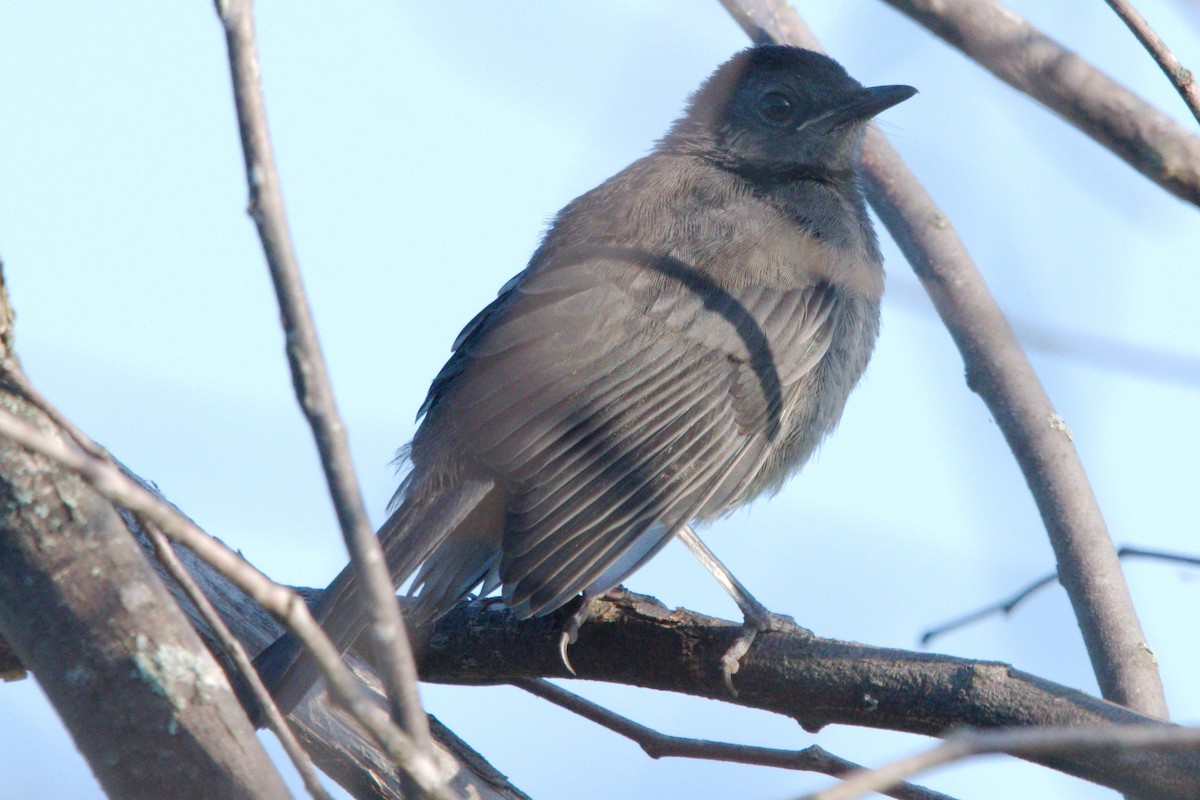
x=818 y=682
x=338 y=744
x=1000 y=372
x=143 y=699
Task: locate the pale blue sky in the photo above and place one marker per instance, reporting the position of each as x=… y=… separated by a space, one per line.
x=423 y=148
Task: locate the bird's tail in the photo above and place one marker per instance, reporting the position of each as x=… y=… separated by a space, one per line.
x=422 y=523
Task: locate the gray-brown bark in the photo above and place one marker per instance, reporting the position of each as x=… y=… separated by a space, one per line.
x=816 y=681
x=337 y=744
x=143 y=698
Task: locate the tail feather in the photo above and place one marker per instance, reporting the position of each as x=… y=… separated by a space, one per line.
x=460 y=563
x=411 y=535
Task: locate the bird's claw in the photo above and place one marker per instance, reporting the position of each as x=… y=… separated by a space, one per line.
x=564 y=642
x=570 y=631
x=757 y=621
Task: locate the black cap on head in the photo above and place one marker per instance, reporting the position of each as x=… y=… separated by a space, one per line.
x=779 y=106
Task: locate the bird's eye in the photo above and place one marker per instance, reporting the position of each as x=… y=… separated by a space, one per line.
x=776 y=107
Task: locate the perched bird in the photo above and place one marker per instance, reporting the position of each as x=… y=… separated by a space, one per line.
x=682 y=339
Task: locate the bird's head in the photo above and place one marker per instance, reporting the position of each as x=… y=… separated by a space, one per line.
x=778 y=108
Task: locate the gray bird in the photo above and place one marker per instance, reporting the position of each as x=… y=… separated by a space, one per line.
x=682 y=339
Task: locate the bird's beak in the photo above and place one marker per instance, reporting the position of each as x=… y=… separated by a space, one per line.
x=872 y=101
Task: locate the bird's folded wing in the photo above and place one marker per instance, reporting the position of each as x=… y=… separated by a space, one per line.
x=607 y=395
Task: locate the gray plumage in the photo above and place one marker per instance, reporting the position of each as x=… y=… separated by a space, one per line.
x=681 y=341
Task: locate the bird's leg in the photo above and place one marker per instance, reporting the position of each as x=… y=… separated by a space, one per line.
x=757 y=617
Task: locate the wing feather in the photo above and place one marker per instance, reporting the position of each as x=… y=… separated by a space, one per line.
x=609 y=401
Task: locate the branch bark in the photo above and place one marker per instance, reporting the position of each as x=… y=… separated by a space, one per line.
x=142 y=697
x=337 y=743
x=635 y=640
x=1180 y=76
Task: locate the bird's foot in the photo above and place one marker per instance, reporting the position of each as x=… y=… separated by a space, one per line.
x=757 y=620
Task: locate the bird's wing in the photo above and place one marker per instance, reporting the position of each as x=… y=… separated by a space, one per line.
x=614 y=392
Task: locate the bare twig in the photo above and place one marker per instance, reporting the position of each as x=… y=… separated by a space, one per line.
x=310 y=377
x=1028 y=60
x=1043 y=741
x=999 y=371
x=1007 y=606
x=233 y=648
x=1162 y=555
x=661 y=745
x=1003 y=607
x=1180 y=76
x=281 y=601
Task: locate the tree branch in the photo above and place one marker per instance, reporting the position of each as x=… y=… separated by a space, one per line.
x=1180 y=76
x=142 y=698
x=634 y=640
x=1000 y=373
x=661 y=745
x=1017 y=53
x=171 y=565
x=124 y=491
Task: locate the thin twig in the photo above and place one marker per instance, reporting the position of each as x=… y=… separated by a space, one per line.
x=1025 y=742
x=1007 y=606
x=314 y=391
x=661 y=745
x=283 y=603
x=233 y=648
x=1162 y=555
x=1000 y=372
x=1003 y=607
x=1180 y=76
x=1019 y=54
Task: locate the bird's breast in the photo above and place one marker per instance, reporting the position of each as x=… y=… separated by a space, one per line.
x=813 y=405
